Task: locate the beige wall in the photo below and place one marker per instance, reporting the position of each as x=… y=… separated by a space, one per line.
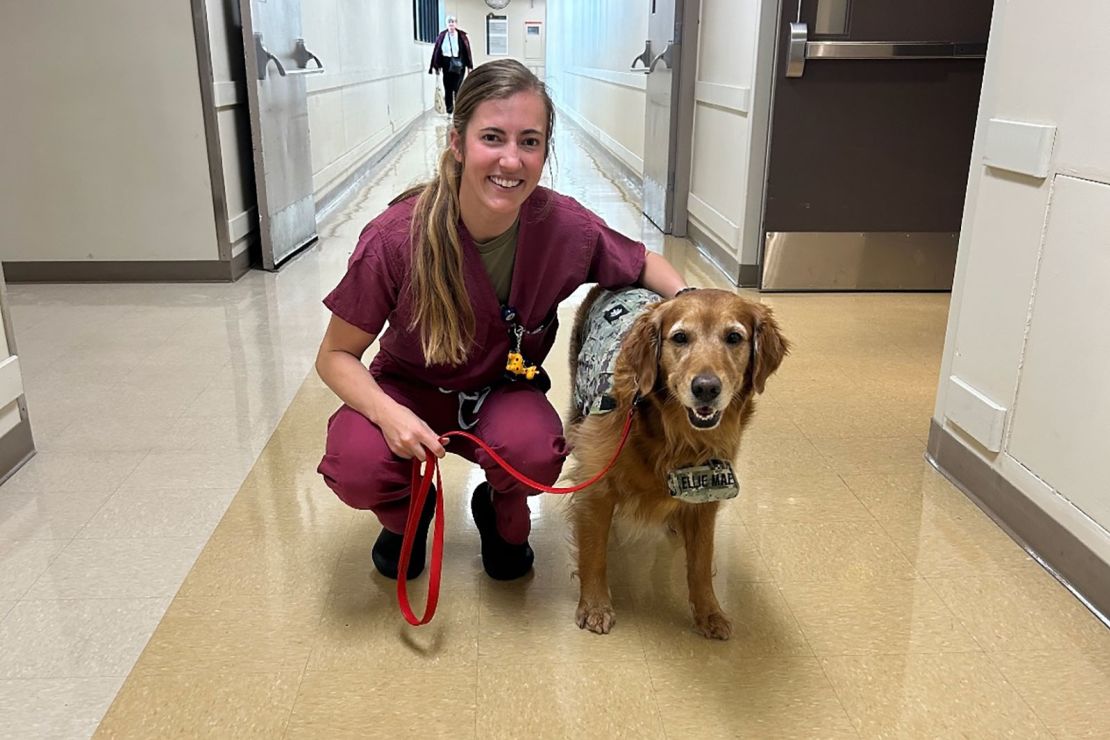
x=1027 y=327
x=375 y=86
x=590 y=45
x=103 y=146
x=108 y=133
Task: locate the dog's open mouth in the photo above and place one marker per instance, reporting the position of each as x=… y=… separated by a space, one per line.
x=703 y=417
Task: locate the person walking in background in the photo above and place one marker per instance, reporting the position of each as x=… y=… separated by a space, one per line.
x=452 y=56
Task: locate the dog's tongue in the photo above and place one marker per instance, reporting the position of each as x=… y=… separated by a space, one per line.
x=705 y=410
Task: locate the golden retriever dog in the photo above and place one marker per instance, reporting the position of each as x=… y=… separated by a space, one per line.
x=697 y=361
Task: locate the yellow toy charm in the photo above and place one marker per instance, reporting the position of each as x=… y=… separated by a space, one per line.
x=515 y=365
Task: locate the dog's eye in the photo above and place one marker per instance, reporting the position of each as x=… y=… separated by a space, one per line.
x=679 y=337
x=734 y=337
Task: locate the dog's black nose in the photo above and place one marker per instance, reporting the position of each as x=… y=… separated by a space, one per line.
x=706 y=387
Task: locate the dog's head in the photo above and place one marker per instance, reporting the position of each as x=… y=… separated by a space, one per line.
x=706 y=348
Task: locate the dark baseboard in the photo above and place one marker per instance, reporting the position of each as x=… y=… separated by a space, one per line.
x=240 y=264
x=743 y=276
x=158 y=271
x=749 y=276
x=1071 y=561
x=16 y=448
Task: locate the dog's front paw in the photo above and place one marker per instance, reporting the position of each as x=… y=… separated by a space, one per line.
x=715 y=626
x=597 y=618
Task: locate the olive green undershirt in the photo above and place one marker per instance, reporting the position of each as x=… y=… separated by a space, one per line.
x=497 y=257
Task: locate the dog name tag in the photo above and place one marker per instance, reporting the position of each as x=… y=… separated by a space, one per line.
x=697 y=484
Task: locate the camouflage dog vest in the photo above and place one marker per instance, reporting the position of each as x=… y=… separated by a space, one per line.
x=608 y=320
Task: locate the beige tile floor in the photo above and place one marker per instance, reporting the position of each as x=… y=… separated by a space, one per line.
x=171 y=547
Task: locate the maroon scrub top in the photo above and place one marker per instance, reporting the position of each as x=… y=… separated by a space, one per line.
x=561 y=245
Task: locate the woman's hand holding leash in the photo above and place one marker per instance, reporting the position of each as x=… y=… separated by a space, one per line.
x=407 y=435
x=421 y=488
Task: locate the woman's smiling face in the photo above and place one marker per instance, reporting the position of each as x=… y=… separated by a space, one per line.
x=502 y=157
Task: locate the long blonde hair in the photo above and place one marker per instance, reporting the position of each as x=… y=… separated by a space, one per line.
x=441 y=305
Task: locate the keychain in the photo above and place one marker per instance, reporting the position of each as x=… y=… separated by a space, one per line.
x=515 y=364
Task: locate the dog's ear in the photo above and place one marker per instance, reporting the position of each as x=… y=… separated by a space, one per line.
x=642 y=347
x=768 y=349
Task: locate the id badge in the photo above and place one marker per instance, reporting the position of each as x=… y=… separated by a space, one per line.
x=698 y=484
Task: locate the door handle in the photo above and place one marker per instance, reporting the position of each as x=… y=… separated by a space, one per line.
x=796 y=52
x=801 y=49
x=264 y=57
x=301 y=55
x=796 y=48
x=665 y=56
x=645 y=57
x=894 y=50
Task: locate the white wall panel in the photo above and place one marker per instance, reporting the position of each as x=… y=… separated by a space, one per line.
x=733 y=98
x=102 y=122
x=720 y=161
x=374 y=85
x=1062 y=414
x=722 y=129
x=726 y=53
x=1029 y=302
x=590 y=45
x=1006 y=232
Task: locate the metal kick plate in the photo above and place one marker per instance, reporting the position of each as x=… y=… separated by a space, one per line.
x=875 y=260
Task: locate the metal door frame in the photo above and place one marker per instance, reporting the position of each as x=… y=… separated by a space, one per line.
x=256 y=72
x=211 y=128
x=681 y=137
x=761 y=120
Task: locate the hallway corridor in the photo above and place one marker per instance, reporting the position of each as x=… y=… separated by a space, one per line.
x=171 y=564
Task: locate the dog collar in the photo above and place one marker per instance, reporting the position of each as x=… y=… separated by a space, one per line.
x=697 y=484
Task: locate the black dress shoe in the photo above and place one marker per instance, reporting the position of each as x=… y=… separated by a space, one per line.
x=502 y=561
x=387 y=549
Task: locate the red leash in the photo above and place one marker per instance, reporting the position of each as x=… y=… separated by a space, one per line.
x=420 y=486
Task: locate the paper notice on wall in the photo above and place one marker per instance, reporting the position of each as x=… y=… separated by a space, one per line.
x=497 y=35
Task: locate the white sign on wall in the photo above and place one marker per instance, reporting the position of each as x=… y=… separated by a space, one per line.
x=533 y=40
x=497 y=35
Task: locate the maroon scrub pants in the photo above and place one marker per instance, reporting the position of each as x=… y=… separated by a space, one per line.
x=515 y=419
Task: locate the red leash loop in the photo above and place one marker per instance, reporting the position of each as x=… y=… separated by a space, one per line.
x=421 y=483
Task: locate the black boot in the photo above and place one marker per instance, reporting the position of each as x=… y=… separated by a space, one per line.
x=387 y=549
x=502 y=561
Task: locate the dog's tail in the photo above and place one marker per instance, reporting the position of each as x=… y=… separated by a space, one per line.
x=576 y=337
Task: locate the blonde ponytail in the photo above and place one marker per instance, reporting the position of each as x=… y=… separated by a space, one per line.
x=442 y=309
